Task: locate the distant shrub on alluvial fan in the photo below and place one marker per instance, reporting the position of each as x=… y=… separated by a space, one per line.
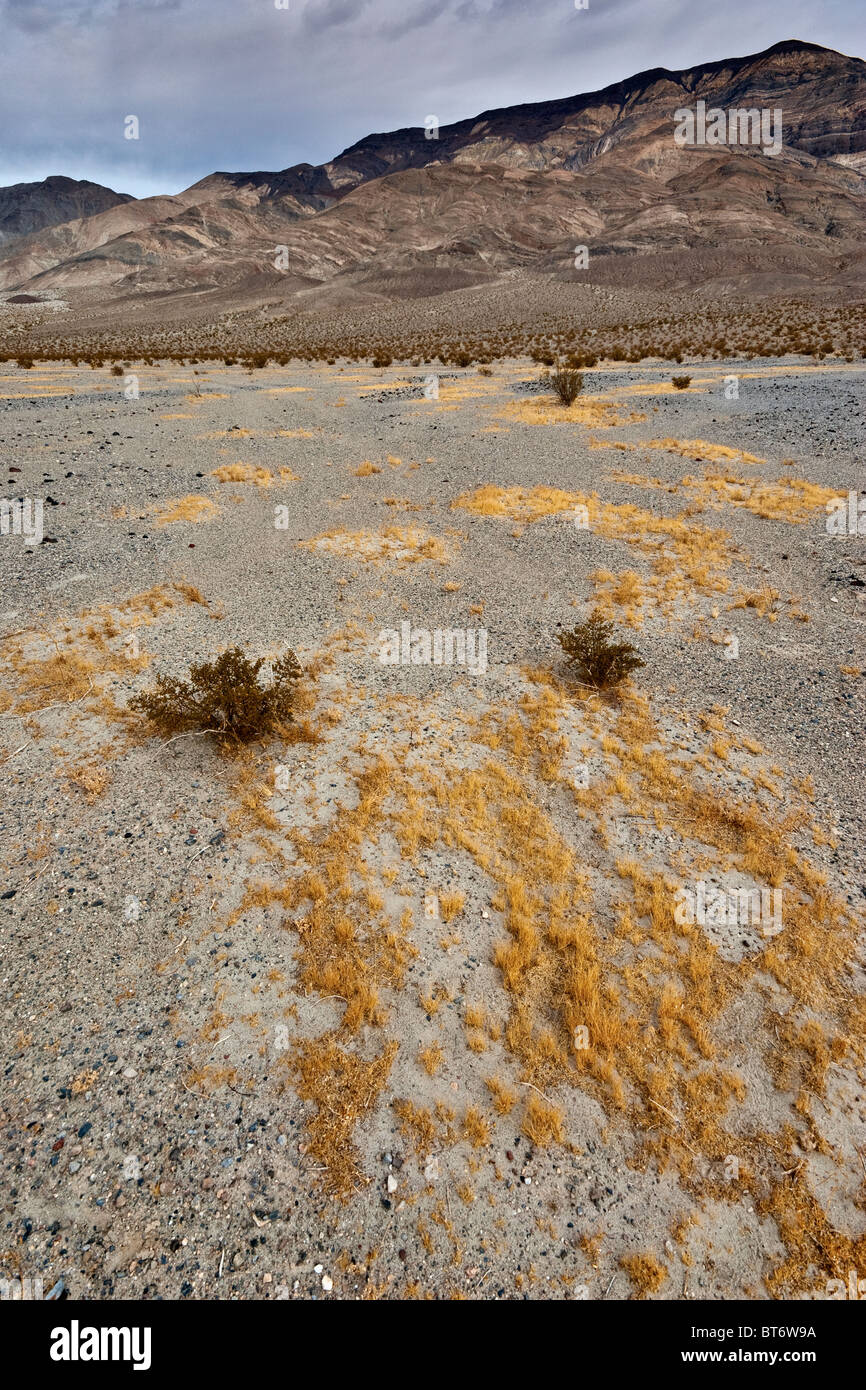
x=595 y=659
x=567 y=384
x=223 y=697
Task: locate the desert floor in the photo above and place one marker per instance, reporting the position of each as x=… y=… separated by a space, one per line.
x=400 y=1005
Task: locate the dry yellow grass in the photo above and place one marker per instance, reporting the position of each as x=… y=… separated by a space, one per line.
x=76 y=659
x=343 y=1087
x=504 y=1098
x=653 y=997
x=91 y=778
x=702 y=449
x=451 y=904
x=543 y=1123
x=687 y=557
x=243 y=473
x=645 y=1272
x=476 y=1127
x=193 y=507
x=788 y=499
x=586 y=410
x=518 y=503
x=431 y=1058
x=401 y=545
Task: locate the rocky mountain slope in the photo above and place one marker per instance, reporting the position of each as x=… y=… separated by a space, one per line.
x=28 y=208
x=404 y=215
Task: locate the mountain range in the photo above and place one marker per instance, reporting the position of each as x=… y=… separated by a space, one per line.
x=415 y=213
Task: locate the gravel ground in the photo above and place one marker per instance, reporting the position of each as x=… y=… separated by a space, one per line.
x=132 y=1167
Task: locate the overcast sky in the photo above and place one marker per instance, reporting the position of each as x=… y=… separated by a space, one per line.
x=243 y=85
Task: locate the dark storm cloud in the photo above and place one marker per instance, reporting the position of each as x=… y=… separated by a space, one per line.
x=240 y=84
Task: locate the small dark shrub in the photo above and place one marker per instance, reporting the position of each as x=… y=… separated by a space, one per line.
x=567 y=384
x=681 y=382
x=24 y=361
x=596 y=660
x=382 y=359
x=223 y=696
x=116 y=371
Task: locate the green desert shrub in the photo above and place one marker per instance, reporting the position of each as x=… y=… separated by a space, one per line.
x=594 y=658
x=223 y=697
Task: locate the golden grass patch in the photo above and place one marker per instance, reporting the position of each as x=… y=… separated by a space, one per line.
x=243 y=473
x=687 y=557
x=586 y=410
x=610 y=995
x=193 y=507
x=343 y=1086
x=400 y=545
x=645 y=1272
x=90 y=778
x=787 y=499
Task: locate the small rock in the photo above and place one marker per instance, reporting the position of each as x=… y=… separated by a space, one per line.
x=327 y=1283
x=431 y=1168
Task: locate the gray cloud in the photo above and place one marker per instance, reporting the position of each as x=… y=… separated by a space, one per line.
x=239 y=84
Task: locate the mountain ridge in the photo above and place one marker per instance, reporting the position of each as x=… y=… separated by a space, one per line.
x=513 y=187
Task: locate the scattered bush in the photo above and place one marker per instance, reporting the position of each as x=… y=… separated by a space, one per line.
x=681 y=382
x=565 y=335
x=567 y=384
x=223 y=697
x=598 y=661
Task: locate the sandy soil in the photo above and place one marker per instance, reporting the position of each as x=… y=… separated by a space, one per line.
x=401 y=1005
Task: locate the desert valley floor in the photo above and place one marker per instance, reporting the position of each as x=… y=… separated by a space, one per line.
x=400 y=1005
